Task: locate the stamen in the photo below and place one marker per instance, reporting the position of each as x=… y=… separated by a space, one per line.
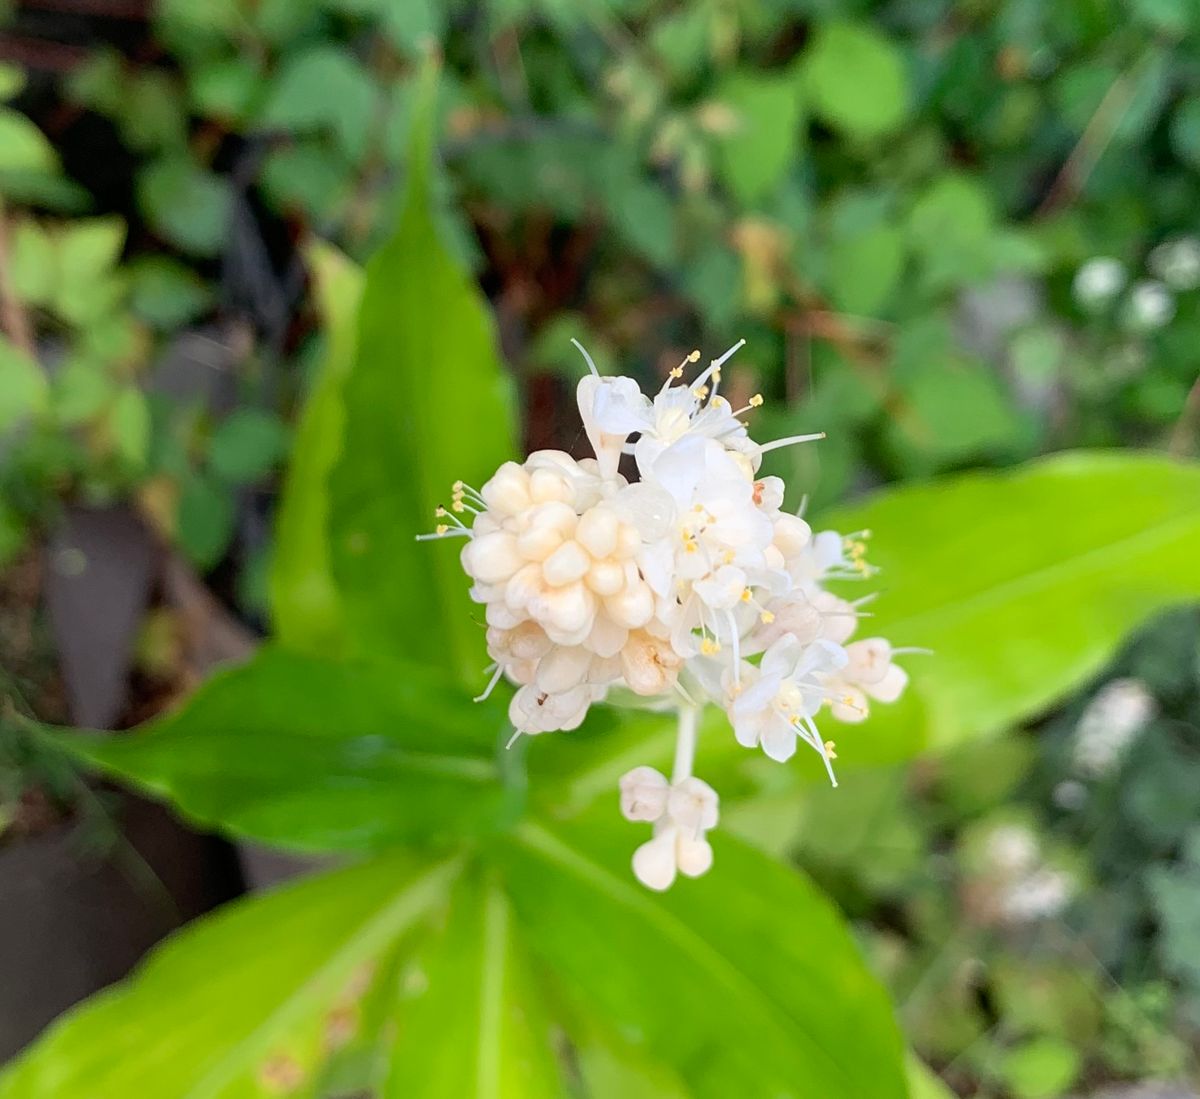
x=791 y=440
x=491 y=684
x=587 y=358
x=716 y=364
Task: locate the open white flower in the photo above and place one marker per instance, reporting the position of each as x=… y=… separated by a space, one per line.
x=690 y=585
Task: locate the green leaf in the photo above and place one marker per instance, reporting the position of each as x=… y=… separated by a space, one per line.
x=857 y=80
x=1023 y=583
x=756 y=156
x=305 y=603
x=23 y=388
x=865 y=269
x=247 y=445
x=12 y=81
x=323 y=88
x=427 y=403
x=317 y=756
x=34 y=263
x=23 y=147
x=129 y=425
x=476 y=1025
x=244 y=1002
x=167 y=294
x=186 y=205
x=1041 y=1068
x=86 y=285
x=206 y=517
x=226 y=89
x=745 y=982
x=1185 y=131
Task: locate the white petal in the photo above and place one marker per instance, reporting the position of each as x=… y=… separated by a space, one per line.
x=692 y=805
x=654 y=862
x=779 y=740
x=643 y=794
x=694 y=855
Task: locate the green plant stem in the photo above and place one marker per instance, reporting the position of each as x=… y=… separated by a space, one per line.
x=685 y=743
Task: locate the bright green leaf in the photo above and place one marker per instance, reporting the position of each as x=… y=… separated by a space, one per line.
x=306 y=607
x=241 y=1002
x=426 y=403
x=33 y=263
x=1042 y=1068
x=12 y=81
x=129 y=425
x=857 y=80
x=317 y=756
x=23 y=147
x=476 y=1026
x=745 y=982
x=1022 y=583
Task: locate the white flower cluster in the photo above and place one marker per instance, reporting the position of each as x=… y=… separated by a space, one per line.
x=689 y=584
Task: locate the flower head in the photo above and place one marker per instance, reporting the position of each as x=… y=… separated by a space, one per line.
x=692 y=584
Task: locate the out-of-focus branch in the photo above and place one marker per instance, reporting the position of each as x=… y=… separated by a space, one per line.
x=1187 y=427
x=13 y=318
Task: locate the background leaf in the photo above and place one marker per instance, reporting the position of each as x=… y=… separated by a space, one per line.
x=857 y=79
x=305 y=604
x=1023 y=583
x=426 y=403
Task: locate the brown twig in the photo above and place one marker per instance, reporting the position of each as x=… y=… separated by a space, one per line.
x=1096 y=137
x=13 y=318
x=1187 y=427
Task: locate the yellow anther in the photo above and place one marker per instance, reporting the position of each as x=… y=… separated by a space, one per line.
x=756 y=401
x=716 y=375
x=709 y=647
x=458 y=486
x=727 y=557
x=694 y=357
x=441 y=512
x=457 y=505
x=831 y=749
x=441 y=528
x=677 y=372
x=746 y=596
x=700 y=393
x=767 y=617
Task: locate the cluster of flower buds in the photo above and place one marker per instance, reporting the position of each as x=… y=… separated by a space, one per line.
x=688 y=584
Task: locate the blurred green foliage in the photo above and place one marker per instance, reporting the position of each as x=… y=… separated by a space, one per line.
x=896 y=204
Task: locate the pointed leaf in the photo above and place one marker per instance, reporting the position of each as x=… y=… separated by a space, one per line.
x=476 y=1027
x=318 y=756
x=427 y=403
x=1023 y=583
x=242 y=1003
x=745 y=982
x=305 y=605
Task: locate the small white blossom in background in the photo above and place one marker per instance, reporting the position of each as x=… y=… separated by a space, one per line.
x=689 y=585
x=1098 y=282
x=1040 y=895
x=1177 y=263
x=1110 y=724
x=1148 y=307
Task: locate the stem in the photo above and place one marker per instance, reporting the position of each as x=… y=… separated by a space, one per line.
x=685 y=743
